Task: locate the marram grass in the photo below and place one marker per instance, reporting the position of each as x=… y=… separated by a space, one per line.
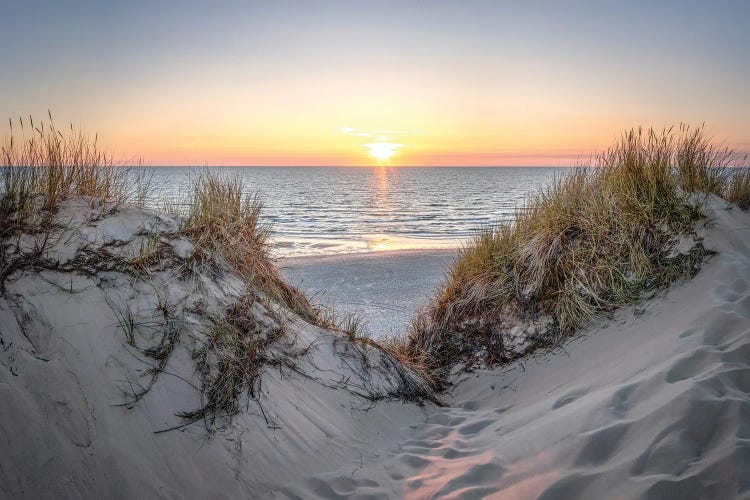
x=222 y=220
x=595 y=240
x=40 y=165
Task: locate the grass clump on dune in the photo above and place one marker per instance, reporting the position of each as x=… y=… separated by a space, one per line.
x=737 y=189
x=230 y=360
x=42 y=165
x=222 y=220
x=595 y=240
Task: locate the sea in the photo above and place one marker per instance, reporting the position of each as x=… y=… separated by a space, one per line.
x=337 y=210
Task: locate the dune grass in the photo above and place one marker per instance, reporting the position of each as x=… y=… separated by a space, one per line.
x=595 y=240
x=230 y=360
x=42 y=165
x=737 y=189
x=222 y=220
x=347 y=323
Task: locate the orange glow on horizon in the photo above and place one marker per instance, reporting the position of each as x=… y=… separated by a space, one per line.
x=241 y=145
x=193 y=133
x=426 y=138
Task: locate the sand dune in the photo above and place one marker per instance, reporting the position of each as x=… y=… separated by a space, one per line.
x=653 y=402
x=69 y=421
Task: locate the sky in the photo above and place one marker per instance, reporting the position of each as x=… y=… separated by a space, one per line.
x=313 y=82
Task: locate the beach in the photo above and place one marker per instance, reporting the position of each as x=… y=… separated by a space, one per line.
x=651 y=401
x=385 y=288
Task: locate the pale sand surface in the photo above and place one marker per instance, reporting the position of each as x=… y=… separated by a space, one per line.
x=651 y=403
x=384 y=288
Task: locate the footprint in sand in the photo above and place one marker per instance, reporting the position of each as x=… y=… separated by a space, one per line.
x=503 y=409
x=567 y=487
x=338 y=487
x=413 y=461
x=693 y=365
x=471 y=405
x=740 y=354
x=725 y=329
x=619 y=404
x=475 y=427
x=689 y=332
x=569 y=398
x=691 y=434
x=601 y=444
x=451 y=453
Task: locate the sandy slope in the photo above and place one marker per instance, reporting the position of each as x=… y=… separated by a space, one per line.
x=654 y=402
x=66 y=369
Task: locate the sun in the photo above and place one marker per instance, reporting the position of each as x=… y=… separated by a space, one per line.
x=383 y=150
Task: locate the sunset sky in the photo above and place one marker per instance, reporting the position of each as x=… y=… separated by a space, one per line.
x=348 y=82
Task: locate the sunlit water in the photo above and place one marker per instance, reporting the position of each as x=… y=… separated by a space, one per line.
x=329 y=210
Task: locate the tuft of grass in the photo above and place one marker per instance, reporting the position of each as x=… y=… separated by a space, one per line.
x=125 y=320
x=223 y=220
x=148 y=253
x=353 y=326
x=700 y=166
x=737 y=189
x=19 y=189
x=230 y=361
x=350 y=324
x=595 y=240
x=411 y=356
x=42 y=165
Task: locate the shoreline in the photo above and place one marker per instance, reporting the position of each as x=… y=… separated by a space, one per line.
x=372 y=254
x=285 y=247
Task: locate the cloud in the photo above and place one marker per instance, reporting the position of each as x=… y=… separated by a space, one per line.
x=381 y=134
x=397 y=132
x=353 y=131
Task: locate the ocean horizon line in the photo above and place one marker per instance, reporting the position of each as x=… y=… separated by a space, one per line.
x=357 y=166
